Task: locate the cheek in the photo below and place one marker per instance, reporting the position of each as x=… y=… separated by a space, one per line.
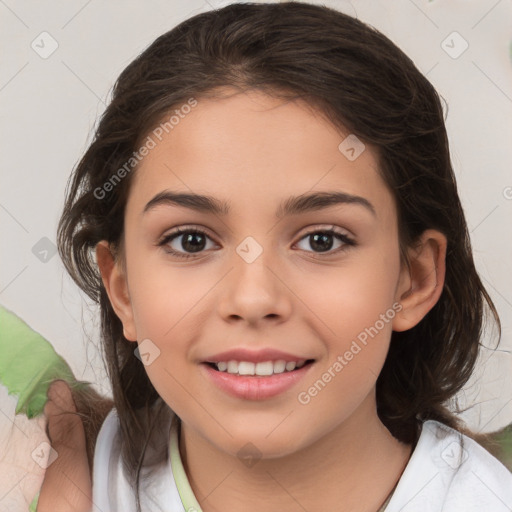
x=351 y=309
x=164 y=295
x=352 y=296
x=169 y=309
x=353 y=316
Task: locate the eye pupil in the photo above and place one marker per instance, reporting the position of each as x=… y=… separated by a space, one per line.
x=189 y=239
x=322 y=241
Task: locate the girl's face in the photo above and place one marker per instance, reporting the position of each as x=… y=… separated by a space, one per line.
x=257 y=279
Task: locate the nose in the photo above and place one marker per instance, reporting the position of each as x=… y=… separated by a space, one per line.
x=255 y=290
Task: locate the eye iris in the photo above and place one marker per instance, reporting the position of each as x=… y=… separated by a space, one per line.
x=189 y=239
x=322 y=241
x=194 y=241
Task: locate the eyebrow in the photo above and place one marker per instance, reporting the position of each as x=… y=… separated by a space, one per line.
x=292 y=206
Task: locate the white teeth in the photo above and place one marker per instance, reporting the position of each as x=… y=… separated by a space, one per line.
x=232 y=367
x=266 y=368
x=279 y=366
x=290 y=366
x=245 y=368
x=262 y=369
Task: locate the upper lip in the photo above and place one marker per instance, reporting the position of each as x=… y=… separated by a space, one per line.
x=254 y=356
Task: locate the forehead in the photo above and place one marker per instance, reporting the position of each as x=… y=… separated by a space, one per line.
x=253 y=149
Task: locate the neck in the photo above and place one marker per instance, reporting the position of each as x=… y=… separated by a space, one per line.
x=357 y=463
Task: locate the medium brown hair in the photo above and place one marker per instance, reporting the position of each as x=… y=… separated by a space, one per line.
x=360 y=81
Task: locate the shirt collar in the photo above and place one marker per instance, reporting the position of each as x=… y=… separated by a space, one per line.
x=187 y=496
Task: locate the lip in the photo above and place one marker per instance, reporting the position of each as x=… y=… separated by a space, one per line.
x=254 y=387
x=254 y=356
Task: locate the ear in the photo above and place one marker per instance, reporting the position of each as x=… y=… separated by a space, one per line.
x=421 y=285
x=116 y=287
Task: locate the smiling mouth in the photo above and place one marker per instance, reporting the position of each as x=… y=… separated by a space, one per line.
x=262 y=369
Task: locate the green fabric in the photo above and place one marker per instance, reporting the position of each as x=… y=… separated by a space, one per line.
x=33 y=505
x=29 y=364
x=504 y=439
x=185 y=491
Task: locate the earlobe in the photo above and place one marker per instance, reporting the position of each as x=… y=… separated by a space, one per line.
x=421 y=285
x=114 y=281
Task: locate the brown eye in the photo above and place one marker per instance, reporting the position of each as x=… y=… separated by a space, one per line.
x=186 y=242
x=321 y=241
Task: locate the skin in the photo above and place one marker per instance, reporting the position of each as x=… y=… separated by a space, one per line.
x=67 y=485
x=254 y=151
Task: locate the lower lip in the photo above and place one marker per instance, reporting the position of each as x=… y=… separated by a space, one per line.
x=255 y=387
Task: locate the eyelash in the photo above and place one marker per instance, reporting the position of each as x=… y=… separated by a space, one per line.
x=347 y=241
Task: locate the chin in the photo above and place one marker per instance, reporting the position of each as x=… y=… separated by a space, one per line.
x=260 y=445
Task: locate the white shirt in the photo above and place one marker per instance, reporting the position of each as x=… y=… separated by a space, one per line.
x=436 y=479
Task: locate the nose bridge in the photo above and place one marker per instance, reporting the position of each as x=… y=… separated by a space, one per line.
x=254 y=289
x=254 y=263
